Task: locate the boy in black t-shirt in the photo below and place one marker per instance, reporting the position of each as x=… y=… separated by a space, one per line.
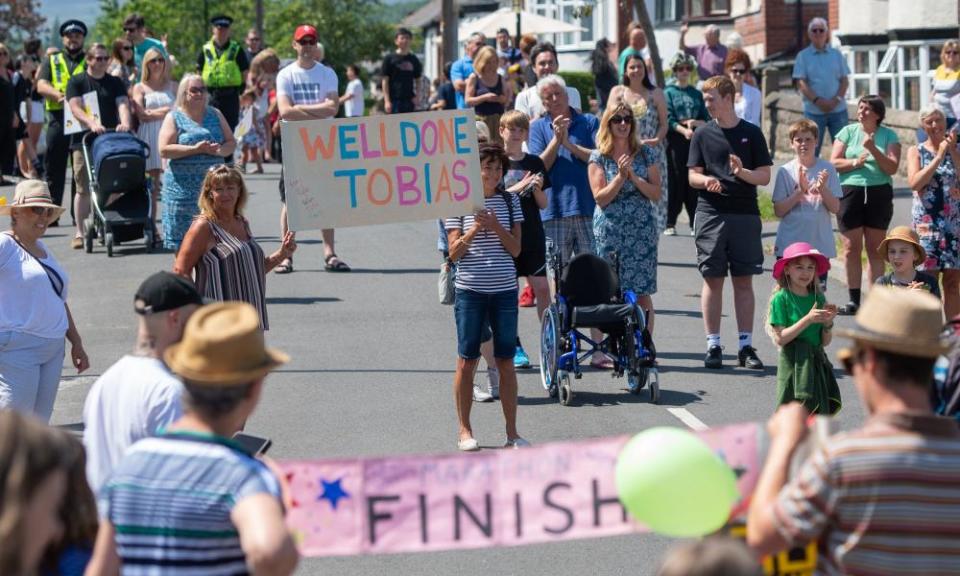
x=114 y=114
x=527 y=178
x=400 y=70
x=728 y=160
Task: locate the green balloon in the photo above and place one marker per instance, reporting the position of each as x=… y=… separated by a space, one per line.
x=673 y=483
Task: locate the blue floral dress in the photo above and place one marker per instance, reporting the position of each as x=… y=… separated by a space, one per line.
x=936 y=215
x=628 y=225
x=648 y=124
x=184 y=176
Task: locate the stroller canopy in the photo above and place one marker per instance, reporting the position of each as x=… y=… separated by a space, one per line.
x=115 y=144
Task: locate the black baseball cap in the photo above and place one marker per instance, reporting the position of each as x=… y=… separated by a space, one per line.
x=221 y=21
x=71 y=26
x=164 y=291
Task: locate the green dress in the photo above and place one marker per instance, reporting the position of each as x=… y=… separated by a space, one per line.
x=804 y=373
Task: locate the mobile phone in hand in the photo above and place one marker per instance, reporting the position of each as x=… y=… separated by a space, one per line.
x=253 y=445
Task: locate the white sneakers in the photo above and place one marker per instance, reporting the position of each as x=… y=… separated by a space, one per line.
x=517 y=442
x=493 y=387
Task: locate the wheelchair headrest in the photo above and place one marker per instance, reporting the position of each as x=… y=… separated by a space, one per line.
x=588 y=280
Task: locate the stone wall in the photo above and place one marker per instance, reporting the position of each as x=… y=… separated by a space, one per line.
x=783 y=107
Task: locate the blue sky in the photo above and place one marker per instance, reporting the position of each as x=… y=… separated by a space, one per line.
x=85 y=10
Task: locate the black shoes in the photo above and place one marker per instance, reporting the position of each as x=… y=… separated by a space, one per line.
x=848 y=309
x=714 y=359
x=748 y=358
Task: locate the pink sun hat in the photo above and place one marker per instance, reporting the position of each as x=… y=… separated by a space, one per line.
x=797 y=250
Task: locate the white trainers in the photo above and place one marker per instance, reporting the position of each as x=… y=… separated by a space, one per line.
x=493 y=379
x=517 y=442
x=670 y=231
x=481 y=395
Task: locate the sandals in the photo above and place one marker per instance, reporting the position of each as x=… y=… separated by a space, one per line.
x=284 y=267
x=333 y=263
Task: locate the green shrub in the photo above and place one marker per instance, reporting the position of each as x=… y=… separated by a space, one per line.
x=582 y=81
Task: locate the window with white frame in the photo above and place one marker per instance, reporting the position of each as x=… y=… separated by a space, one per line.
x=584 y=13
x=905 y=84
x=671 y=10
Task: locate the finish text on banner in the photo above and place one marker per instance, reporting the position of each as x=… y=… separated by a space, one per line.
x=380 y=169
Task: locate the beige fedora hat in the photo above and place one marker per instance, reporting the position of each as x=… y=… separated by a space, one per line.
x=903 y=234
x=898 y=320
x=32 y=194
x=223 y=345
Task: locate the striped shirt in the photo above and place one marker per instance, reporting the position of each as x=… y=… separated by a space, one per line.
x=487 y=267
x=884 y=499
x=170 y=501
x=234 y=270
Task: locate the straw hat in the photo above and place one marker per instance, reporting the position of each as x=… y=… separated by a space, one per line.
x=801 y=250
x=30 y=194
x=904 y=234
x=906 y=322
x=223 y=345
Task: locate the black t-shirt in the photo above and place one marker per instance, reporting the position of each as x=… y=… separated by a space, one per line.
x=108 y=88
x=711 y=148
x=448 y=94
x=402 y=70
x=532 y=238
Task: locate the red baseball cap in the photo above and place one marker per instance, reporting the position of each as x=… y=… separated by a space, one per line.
x=305 y=31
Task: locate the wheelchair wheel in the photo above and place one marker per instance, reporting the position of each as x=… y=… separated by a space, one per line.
x=564 y=392
x=654 y=386
x=549 y=349
x=637 y=379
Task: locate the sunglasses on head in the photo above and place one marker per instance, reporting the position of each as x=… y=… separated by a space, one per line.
x=620 y=119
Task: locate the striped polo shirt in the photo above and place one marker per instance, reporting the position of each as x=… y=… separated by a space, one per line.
x=170 y=501
x=884 y=499
x=487 y=267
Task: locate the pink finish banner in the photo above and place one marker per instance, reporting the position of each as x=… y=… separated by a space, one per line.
x=550 y=492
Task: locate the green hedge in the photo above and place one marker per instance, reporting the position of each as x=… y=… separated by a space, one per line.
x=582 y=81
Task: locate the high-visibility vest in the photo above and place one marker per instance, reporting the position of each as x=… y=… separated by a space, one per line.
x=222 y=72
x=60 y=75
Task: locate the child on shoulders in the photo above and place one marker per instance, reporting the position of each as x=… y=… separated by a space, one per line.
x=902 y=250
x=800 y=322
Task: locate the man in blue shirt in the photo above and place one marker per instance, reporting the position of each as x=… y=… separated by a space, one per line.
x=135 y=29
x=821 y=74
x=463 y=68
x=564 y=138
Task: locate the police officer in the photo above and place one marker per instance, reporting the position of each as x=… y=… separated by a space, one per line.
x=223 y=64
x=54 y=74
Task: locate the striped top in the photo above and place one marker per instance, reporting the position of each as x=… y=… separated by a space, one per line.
x=487 y=267
x=884 y=499
x=170 y=501
x=234 y=270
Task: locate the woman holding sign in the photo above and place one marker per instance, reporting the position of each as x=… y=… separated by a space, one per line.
x=484 y=245
x=226 y=261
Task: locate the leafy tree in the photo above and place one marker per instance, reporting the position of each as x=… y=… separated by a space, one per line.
x=350 y=30
x=19 y=19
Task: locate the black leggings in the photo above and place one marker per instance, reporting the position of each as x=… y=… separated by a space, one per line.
x=680 y=194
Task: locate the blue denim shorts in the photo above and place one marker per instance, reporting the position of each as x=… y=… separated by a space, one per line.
x=474 y=311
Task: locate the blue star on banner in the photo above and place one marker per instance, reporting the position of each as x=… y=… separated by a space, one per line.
x=333 y=492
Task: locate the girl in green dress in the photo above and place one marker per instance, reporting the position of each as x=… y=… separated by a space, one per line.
x=800 y=323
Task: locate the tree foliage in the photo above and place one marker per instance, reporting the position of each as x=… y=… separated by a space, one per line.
x=19 y=19
x=350 y=30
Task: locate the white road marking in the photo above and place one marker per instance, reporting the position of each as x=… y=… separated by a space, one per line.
x=689 y=419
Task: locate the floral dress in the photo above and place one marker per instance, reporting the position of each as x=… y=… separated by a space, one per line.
x=628 y=225
x=184 y=176
x=648 y=124
x=936 y=215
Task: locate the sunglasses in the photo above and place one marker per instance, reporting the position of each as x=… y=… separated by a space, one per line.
x=253 y=39
x=195 y=90
x=738 y=71
x=155 y=61
x=130 y=30
x=127 y=48
x=620 y=119
x=817 y=30
x=41 y=211
x=307 y=42
x=101 y=58
x=683 y=68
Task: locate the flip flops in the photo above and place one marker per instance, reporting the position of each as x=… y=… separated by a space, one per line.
x=284 y=267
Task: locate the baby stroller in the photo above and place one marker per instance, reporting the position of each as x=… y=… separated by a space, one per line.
x=588 y=296
x=121 y=204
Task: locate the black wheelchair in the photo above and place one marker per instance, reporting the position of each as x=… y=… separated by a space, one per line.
x=588 y=296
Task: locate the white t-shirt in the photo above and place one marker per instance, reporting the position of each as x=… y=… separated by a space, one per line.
x=132 y=400
x=528 y=102
x=808 y=221
x=749 y=106
x=308 y=85
x=354 y=106
x=28 y=303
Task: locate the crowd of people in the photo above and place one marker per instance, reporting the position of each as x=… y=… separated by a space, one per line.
x=159 y=423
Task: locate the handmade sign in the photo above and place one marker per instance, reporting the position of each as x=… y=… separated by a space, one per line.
x=380 y=169
x=71 y=125
x=550 y=492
